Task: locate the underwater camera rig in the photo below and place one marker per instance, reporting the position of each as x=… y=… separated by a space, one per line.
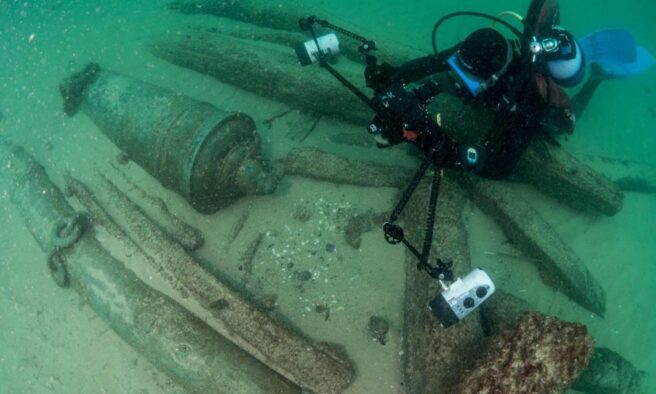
x=401 y=115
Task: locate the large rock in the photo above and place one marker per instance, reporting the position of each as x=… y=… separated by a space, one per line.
x=607 y=373
x=538 y=354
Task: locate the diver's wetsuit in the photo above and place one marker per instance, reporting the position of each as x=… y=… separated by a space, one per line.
x=518 y=108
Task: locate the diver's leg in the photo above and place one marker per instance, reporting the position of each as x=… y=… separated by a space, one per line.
x=582 y=98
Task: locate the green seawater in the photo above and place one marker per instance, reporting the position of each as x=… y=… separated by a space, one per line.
x=51 y=342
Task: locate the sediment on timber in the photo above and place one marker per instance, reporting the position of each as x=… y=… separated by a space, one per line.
x=520 y=222
x=285 y=17
x=629 y=176
x=557 y=173
x=559 y=266
x=316 y=164
x=190 y=352
x=289 y=353
x=433 y=355
x=609 y=372
x=183 y=233
x=267 y=69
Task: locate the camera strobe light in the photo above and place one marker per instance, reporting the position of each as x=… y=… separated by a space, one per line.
x=308 y=52
x=462 y=297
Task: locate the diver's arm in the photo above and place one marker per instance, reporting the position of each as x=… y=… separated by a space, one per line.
x=422 y=67
x=583 y=97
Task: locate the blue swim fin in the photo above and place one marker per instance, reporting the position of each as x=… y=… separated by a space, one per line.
x=616 y=53
x=643 y=62
x=611 y=45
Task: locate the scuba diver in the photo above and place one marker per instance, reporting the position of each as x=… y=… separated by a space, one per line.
x=517 y=83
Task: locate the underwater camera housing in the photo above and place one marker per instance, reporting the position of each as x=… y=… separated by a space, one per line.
x=404 y=115
x=308 y=51
x=462 y=297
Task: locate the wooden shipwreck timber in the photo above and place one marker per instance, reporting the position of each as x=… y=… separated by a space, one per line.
x=287 y=352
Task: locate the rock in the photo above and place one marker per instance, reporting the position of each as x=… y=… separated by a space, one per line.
x=378 y=328
x=302 y=211
x=607 y=373
x=537 y=354
x=362 y=223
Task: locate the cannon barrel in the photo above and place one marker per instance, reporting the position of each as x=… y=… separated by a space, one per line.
x=207 y=155
x=169 y=336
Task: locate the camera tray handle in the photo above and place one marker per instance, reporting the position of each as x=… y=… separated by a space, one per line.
x=394 y=233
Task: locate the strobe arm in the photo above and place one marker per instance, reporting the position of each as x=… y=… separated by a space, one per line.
x=307 y=24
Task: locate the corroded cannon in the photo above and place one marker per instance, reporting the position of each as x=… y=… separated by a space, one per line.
x=169 y=336
x=208 y=156
x=321 y=368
